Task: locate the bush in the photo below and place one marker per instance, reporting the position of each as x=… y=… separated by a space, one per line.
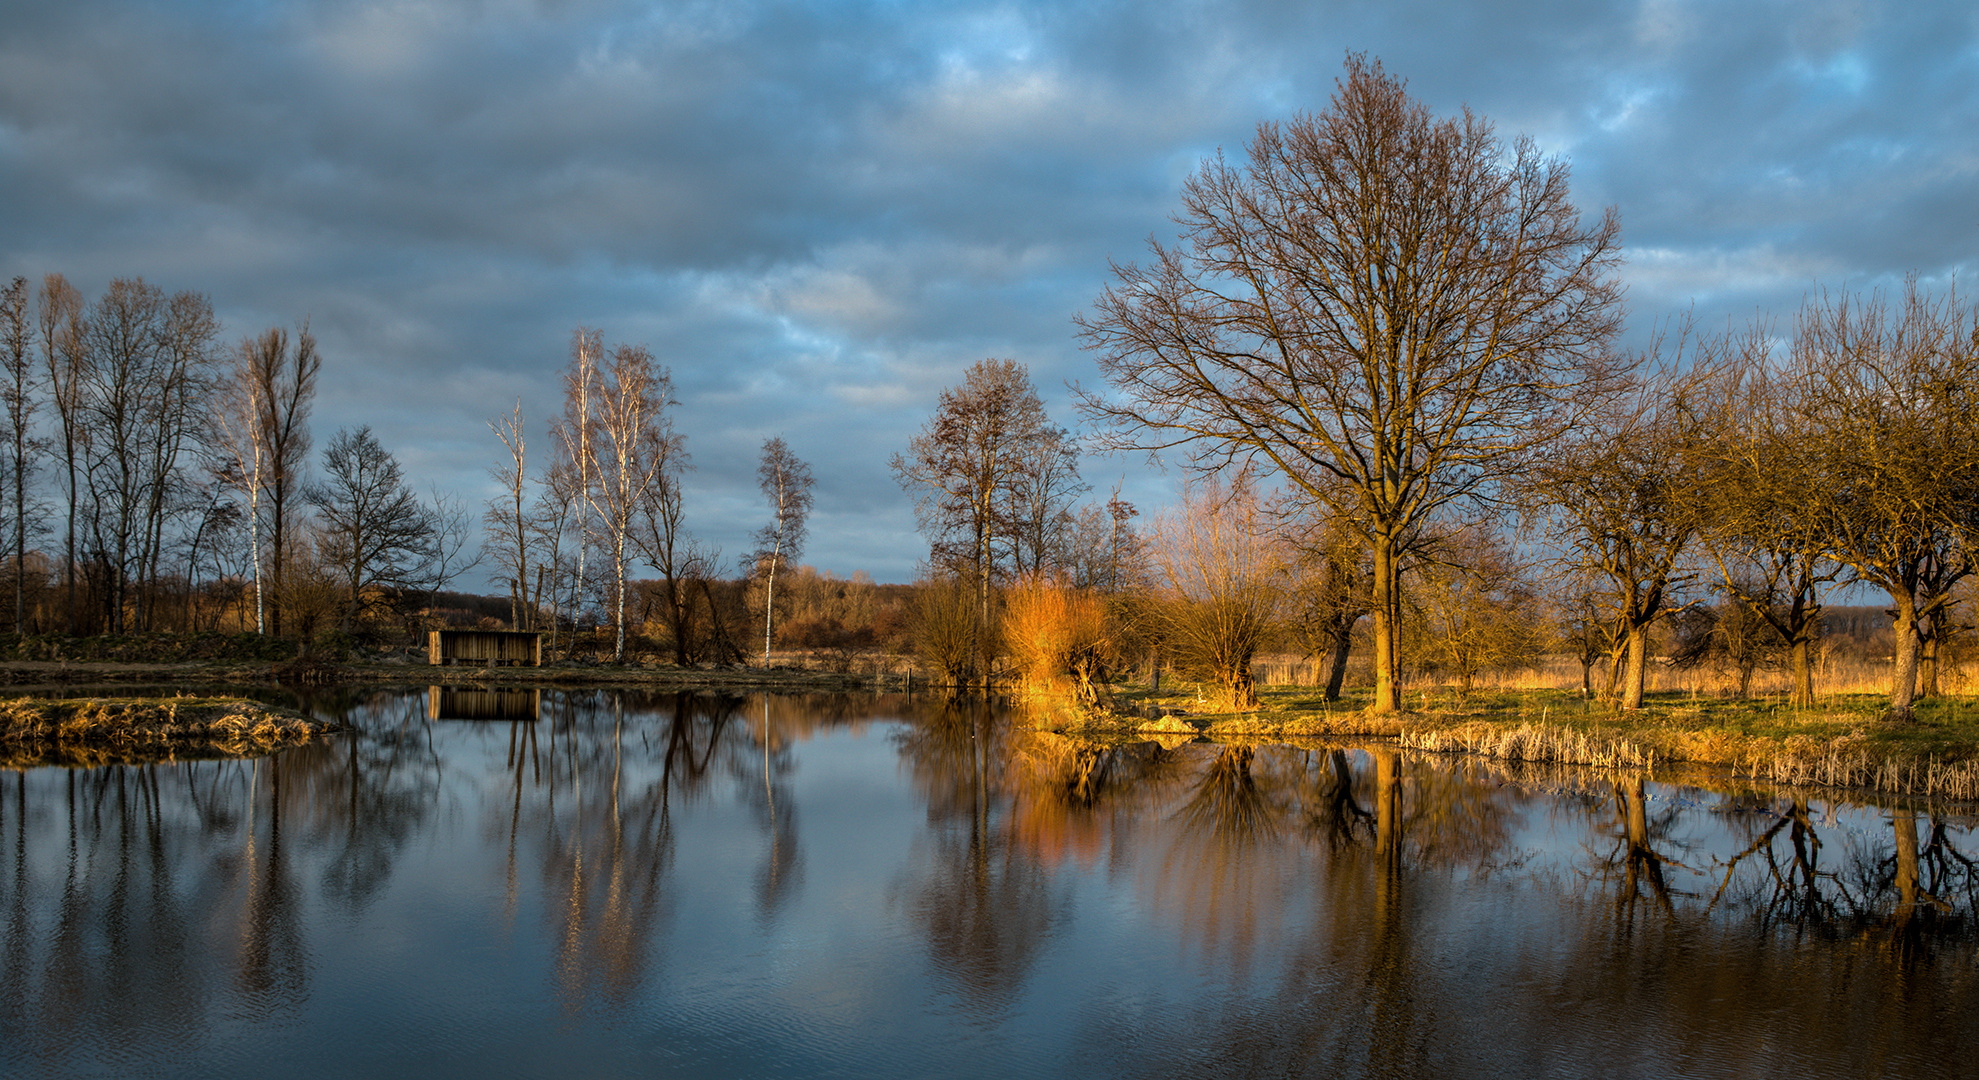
x=1055 y=637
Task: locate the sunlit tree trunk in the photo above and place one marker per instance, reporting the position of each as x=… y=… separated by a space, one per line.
x=1638 y=667
x=1802 y=661
x=1387 y=627
x=1903 y=672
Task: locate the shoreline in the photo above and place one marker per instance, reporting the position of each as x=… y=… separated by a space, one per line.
x=1838 y=746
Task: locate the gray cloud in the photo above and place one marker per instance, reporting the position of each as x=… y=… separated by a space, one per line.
x=819 y=213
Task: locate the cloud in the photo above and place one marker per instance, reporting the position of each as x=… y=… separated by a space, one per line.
x=818 y=213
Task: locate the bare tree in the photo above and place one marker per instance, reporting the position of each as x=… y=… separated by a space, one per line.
x=1395 y=312
x=1041 y=495
x=1219 y=574
x=142 y=394
x=508 y=518
x=19 y=381
x=663 y=538
x=1476 y=608
x=452 y=525
x=241 y=456
x=376 y=536
x=1766 y=547
x=1102 y=550
x=275 y=377
x=65 y=357
x=786 y=483
x=965 y=467
x=1619 y=501
x=1887 y=395
x=633 y=446
x=574 y=471
x=1329 y=593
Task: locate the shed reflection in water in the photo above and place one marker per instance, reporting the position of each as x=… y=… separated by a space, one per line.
x=963 y=897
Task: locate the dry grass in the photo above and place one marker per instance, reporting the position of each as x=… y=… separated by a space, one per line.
x=1836 y=675
x=95 y=731
x=1841 y=744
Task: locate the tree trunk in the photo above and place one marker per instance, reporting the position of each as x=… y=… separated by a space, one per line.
x=1903 y=666
x=1336 y=673
x=1638 y=661
x=1930 y=634
x=1387 y=626
x=1803 y=673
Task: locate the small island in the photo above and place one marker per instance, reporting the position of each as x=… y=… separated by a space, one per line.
x=101 y=731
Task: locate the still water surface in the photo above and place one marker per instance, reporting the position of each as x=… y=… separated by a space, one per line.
x=849 y=886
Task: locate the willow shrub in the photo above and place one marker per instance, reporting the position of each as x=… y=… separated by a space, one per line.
x=1055 y=637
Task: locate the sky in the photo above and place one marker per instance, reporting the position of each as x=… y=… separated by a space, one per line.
x=818 y=215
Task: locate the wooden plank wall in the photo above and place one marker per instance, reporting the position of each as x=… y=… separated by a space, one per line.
x=485 y=647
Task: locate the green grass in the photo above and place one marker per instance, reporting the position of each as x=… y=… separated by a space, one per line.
x=1841 y=742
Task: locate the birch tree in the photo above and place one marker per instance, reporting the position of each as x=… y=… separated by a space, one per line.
x=785 y=480
x=65 y=358
x=507 y=523
x=632 y=444
x=574 y=470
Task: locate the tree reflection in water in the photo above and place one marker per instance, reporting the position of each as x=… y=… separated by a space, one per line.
x=1311 y=910
x=985 y=902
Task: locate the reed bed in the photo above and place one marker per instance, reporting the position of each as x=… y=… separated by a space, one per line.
x=1532 y=743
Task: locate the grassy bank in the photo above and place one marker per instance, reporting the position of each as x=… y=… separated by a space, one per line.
x=100 y=731
x=1840 y=743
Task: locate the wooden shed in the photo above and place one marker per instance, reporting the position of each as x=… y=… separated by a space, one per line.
x=486 y=648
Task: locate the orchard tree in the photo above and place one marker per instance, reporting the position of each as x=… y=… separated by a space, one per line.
x=1886 y=396
x=1619 y=501
x=1395 y=312
x=1768 y=549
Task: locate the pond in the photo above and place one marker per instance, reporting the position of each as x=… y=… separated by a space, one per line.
x=629 y=884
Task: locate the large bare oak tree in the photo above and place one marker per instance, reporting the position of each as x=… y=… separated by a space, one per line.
x=1391 y=309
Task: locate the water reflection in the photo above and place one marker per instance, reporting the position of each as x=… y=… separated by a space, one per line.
x=790 y=885
x=482 y=703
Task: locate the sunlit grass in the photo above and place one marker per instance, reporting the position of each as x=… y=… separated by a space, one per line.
x=95 y=731
x=1842 y=741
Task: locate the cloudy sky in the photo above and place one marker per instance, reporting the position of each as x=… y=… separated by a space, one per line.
x=818 y=214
